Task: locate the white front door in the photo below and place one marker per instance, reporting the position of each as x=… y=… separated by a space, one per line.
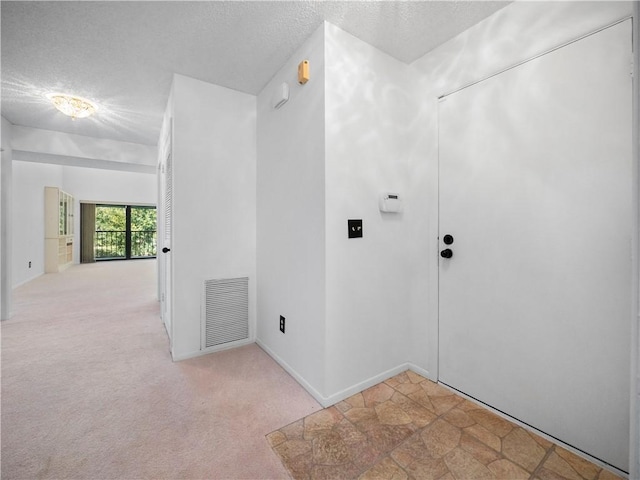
x=535 y=191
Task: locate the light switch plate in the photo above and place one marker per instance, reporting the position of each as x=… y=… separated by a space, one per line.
x=355 y=228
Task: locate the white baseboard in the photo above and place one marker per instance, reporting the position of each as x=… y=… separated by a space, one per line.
x=349 y=391
x=28 y=280
x=219 y=348
x=291 y=371
x=369 y=382
x=381 y=377
x=421 y=371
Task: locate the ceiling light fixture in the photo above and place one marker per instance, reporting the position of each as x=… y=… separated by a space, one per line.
x=74 y=107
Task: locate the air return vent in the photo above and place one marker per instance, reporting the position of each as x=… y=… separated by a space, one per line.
x=226 y=311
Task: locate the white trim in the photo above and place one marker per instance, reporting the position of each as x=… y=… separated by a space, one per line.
x=634 y=410
x=369 y=382
x=291 y=371
x=119 y=204
x=27 y=280
x=217 y=348
x=349 y=391
x=422 y=372
x=527 y=60
x=376 y=379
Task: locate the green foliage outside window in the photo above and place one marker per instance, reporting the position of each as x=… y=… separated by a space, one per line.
x=111 y=232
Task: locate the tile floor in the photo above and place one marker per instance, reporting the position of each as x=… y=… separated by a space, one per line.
x=411 y=428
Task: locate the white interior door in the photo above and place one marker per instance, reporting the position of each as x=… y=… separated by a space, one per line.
x=535 y=189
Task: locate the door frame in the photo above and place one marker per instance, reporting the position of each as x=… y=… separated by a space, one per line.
x=634 y=450
x=165 y=261
x=433 y=244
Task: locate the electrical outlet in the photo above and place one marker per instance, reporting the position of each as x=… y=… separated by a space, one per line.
x=282 y=319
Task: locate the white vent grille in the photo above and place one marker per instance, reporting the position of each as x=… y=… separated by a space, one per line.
x=226 y=311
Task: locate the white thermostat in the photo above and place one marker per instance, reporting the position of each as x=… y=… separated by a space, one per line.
x=390 y=203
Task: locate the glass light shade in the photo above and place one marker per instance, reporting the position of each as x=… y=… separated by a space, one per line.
x=74 y=107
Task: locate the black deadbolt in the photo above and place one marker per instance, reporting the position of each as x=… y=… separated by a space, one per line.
x=447 y=239
x=165 y=250
x=446 y=253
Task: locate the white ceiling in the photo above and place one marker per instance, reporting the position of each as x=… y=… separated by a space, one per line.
x=122 y=54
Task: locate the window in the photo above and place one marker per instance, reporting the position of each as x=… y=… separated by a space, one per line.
x=124 y=232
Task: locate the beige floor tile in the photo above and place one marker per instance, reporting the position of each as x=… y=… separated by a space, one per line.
x=330 y=449
x=519 y=447
x=485 y=436
x=479 y=450
x=440 y=438
x=391 y=414
x=557 y=464
x=459 y=418
x=423 y=399
x=420 y=416
x=276 y=438
x=443 y=403
x=356 y=401
x=428 y=469
x=586 y=469
x=377 y=394
x=464 y=466
x=505 y=470
x=411 y=428
x=414 y=377
x=496 y=425
x=386 y=468
x=607 y=475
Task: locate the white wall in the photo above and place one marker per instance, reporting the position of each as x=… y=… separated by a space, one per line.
x=85 y=184
x=214 y=200
x=370 y=134
x=29 y=180
x=291 y=219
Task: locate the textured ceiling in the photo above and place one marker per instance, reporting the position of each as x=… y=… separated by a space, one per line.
x=122 y=54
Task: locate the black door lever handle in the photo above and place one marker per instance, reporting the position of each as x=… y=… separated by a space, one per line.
x=446 y=253
x=165 y=250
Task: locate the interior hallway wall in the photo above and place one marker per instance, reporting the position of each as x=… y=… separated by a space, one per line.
x=291 y=219
x=343 y=139
x=370 y=134
x=29 y=180
x=214 y=200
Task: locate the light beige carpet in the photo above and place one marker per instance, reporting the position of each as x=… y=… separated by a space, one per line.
x=89 y=390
